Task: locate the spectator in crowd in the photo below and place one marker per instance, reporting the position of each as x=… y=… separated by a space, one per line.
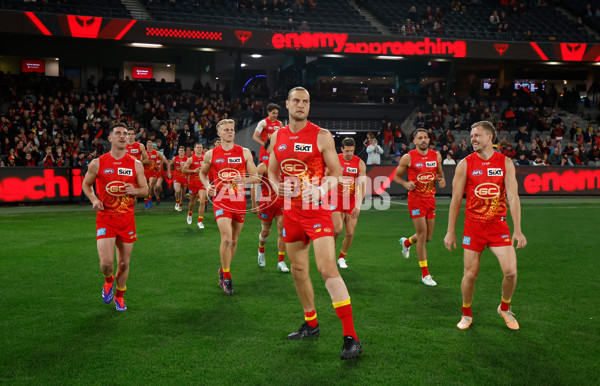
x=522 y=161
x=419 y=121
x=494 y=18
x=523 y=135
x=449 y=160
x=593 y=155
x=304 y=27
x=578 y=158
x=265 y=24
x=374 y=152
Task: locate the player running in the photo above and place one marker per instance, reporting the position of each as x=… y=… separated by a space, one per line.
x=268 y=207
x=424 y=167
x=136 y=149
x=196 y=190
x=230 y=164
x=349 y=197
x=150 y=170
x=180 y=180
x=119 y=180
x=299 y=154
x=159 y=171
x=265 y=128
x=488 y=179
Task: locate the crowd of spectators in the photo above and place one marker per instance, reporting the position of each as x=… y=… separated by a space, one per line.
x=46 y=122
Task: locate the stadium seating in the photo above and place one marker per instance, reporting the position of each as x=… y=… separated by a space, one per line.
x=106 y=8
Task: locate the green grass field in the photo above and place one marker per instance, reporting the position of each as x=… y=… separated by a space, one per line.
x=182 y=329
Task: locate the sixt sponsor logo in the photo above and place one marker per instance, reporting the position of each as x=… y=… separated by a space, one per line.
x=303 y=147
x=234 y=160
x=495 y=172
x=125 y=172
x=431 y=164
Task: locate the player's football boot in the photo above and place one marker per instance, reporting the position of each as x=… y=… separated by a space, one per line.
x=220 y=277
x=149 y=204
x=189 y=220
x=145 y=205
x=341 y=262
x=176 y=206
x=120 y=304
x=179 y=208
x=261 y=259
x=228 y=286
x=351 y=348
x=200 y=225
x=281 y=266
x=427 y=280
x=509 y=318
x=108 y=291
x=305 y=331
x=465 y=322
x=405 y=250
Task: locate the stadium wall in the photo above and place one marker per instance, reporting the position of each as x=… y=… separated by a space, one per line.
x=52 y=185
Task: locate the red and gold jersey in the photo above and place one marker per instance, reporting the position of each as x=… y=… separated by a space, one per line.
x=152 y=157
x=225 y=166
x=178 y=163
x=268 y=192
x=299 y=158
x=158 y=165
x=423 y=172
x=196 y=163
x=270 y=128
x=112 y=176
x=347 y=184
x=134 y=150
x=486 y=193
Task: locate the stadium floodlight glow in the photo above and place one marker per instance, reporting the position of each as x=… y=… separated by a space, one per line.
x=346 y=132
x=554 y=63
x=243 y=65
x=55 y=58
x=147 y=45
x=206 y=49
x=385 y=57
x=256 y=56
x=332 y=56
x=168 y=65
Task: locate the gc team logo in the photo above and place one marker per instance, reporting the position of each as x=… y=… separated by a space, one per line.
x=116 y=188
x=426 y=178
x=293 y=167
x=229 y=174
x=487 y=191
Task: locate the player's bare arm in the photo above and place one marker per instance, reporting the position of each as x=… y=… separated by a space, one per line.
x=88 y=183
x=142 y=185
x=514 y=203
x=259 y=128
x=326 y=146
x=458 y=189
x=273 y=169
x=166 y=162
x=401 y=171
x=360 y=187
x=261 y=170
x=145 y=158
x=186 y=167
x=251 y=175
x=204 y=169
x=440 y=171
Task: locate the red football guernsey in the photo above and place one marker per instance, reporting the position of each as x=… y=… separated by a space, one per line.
x=152 y=157
x=486 y=193
x=270 y=128
x=196 y=163
x=134 y=150
x=178 y=162
x=423 y=172
x=112 y=176
x=225 y=166
x=347 y=184
x=300 y=158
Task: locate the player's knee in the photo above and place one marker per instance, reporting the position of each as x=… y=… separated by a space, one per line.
x=511 y=274
x=328 y=273
x=227 y=242
x=470 y=276
x=265 y=233
x=349 y=235
x=123 y=266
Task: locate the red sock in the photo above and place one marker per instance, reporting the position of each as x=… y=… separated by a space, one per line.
x=311 y=318
x=342 y=255
x=407 y=242
x=226 y=274
x=158 y=198
x=467 y=311
x=281 y=256
x=200 y=219
x=424 y=271
x=504 y=306
x=145 y=200
x=120 y=293
x=345 y=314
x=261 y=249
x=109 y=279
x=190 y=213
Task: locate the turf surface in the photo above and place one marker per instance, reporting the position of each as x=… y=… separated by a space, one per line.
x=182 y=329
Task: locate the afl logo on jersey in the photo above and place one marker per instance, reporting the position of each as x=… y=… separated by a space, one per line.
x=419 y=165
x=282 y=147
x=108 y=171
x=219 y=160
x=293 y=167
x=431 y=164
x=116 y=188
x=426 y=178
x=351 y=170
x=303 y=147
x=477 y=172
x=487 y=191
x=228 y=174
x=234 y=160
x=495 y=172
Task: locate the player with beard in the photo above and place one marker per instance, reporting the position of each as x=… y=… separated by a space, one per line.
x=180 y=180
x=119 y=180
x=196 y=190
x=488 y=179
x=424 y=167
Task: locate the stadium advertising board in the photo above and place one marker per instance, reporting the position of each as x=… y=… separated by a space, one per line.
x=144 y=31
x=38 y=184
x=33 y=65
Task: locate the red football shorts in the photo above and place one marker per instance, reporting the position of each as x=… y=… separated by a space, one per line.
x=270 y=210
x=306 y=225
x=344 y=204
x=120 y=226
x=263 y=156
x=149 y=174
x=421 y=207
x=180 y=178
x=235 y=210
x=479 y=235
x=195 y=187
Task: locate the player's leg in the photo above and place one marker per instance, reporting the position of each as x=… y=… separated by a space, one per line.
x=151 y=183
x=193 y=199
x=350 y=226
x=281 y=266
x=158 y=189
x=201 y=207
x=265 y=231
x=226 y=252
x=298 y=255
x=467 y=286
x=106 y=254
x=324 y=248
x=177 y=188
x=422 y=226
x=508 y=263
x=337 y=218
x=123 y=257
